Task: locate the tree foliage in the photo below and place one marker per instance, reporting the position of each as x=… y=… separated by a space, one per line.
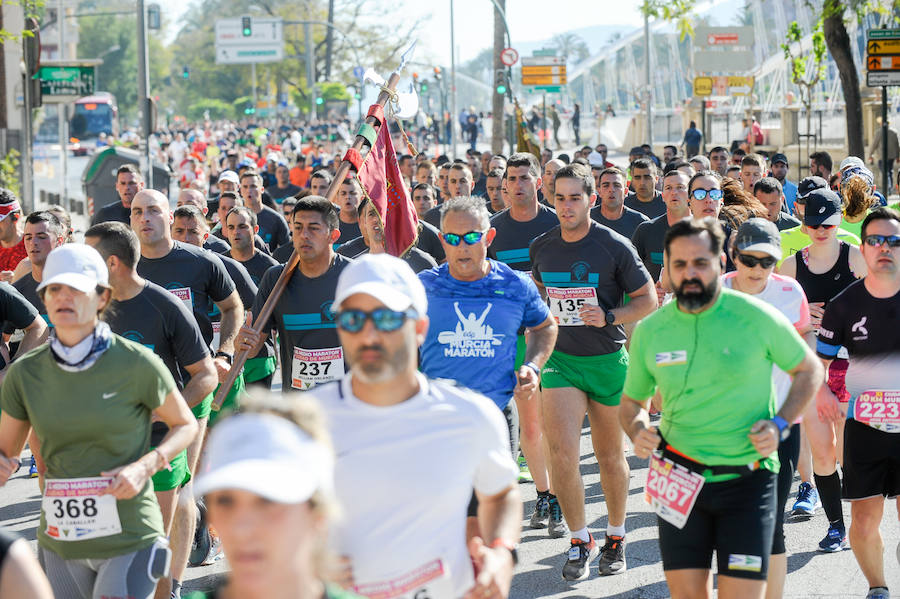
x=570 y=45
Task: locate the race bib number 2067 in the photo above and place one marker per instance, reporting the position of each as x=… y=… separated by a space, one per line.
x=672 y=490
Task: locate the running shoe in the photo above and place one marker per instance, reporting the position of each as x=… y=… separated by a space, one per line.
x=578 y=558
x=878 y=593
x=200 y=547
x=612 y=556
x=807 y=501
x=215 y=552
x=556 y=526
x=541 y=512
x=524 y=472
x=32 y=470
x=834 y=541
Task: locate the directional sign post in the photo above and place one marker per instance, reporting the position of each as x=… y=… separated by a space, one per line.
x=883 y=70
x=723 y=86
x=66 y=81
x=264 y=44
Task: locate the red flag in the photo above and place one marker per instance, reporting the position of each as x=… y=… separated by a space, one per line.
x=383 y=185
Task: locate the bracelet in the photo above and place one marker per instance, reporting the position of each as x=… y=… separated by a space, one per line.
x=534 y=367
x=166 y=464
x=228 y=357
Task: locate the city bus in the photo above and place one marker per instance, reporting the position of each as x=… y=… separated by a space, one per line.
x=92 y=116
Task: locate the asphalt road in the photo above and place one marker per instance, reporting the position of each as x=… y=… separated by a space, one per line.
x=811 y=574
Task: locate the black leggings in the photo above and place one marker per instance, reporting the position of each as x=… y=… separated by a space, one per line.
x=788 y=455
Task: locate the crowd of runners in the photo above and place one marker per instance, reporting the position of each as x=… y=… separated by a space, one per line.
x=736 y=327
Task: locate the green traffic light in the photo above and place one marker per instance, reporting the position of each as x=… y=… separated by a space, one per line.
x=424 y=87
x=320 y=101
x=357 y=96
x=501 y=89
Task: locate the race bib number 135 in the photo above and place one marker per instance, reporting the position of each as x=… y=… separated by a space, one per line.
x=566 y=304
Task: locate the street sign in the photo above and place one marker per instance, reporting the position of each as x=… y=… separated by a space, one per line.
x=509 y=56
x=545 y=80
x=264 y=44
x=703 y=86
x=723 y=86
x=550 y=89
x=65 y=83
x=883 y=47
x=882 y=78
x=707 y=37
x=358 y=72
x=544 y=52
x=884 y=34
x=724 y=49
x=883 y=63
x=538 y=61
x=545 y=70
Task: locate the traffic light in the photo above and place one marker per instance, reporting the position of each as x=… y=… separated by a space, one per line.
x=249 y=110
x=154 y=17
x=246 y=27
x=186 y=73
x=437 y=73
x=320 y=101
x=424 y=86
x=501 y=82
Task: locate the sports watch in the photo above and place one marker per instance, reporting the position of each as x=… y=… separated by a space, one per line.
x=534 y=367
x=610 y=317
x=784 y=427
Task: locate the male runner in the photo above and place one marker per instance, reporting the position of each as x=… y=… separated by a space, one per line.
x=396 y=429
x=459 y=183
x=372 y=240
x=718 y=160
x=779 y=171
x=348 y=198
x=770 y=193
x=550 y=168
x=493 y=187
x=612 y=211
x=12 y=243
x=43 y=233
x=240 y=229
x=273 y=229
x=643 y=197
x=752 y=170
x=147 y=314
x=648 y=237
x=725 y=437
x=319 y=182
x=303 y=315
x=585 y=270
x=863 y=318
x=227 y=201
x=129 y=182
x=192 y=197
x=424 y=198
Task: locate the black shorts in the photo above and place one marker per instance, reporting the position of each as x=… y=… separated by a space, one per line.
x=871 y=463
x=735 y=518
x=788 y=455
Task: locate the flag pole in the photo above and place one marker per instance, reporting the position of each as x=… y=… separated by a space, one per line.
x=258 y=319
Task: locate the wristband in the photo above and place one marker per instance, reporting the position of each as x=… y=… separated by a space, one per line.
x=228 y=357
x=534 y=367
x=784 y=428
x=509 y=546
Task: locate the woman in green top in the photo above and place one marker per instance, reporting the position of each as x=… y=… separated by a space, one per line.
x=90 y=396
x=266 y=479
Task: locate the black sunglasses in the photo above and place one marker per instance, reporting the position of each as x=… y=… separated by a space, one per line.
x=471 y=238
x=384 y=320
x=714 y=194
x=892 y=241
x=817 y=227
x=751 y=261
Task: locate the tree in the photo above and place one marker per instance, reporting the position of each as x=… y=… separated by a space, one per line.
x=571 y=46
x=805 y=78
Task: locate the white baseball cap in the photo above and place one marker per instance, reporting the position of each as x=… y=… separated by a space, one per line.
x=229 y=176
x=267 y=455
x=388 y=279
x=76 y=265
x=852 y=161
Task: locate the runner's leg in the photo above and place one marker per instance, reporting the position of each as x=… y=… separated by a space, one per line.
x=532 y=439
x=186 y=513
x=68 y=578
x=823 y=444
x=607 y=438
x=866 y=540
x=731 y=587
x=563 y=410
x=690 y=584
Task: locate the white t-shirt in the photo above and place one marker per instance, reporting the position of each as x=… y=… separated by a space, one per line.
x=785 y=294
x=404 y=476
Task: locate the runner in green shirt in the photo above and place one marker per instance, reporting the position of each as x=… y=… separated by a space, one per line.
x=99 y=517
x=718 y=441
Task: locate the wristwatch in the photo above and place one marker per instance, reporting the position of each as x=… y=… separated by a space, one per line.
x=610 y=317
x=228 y=357
x=510 y=546
x=784 y=427
x=534 y=367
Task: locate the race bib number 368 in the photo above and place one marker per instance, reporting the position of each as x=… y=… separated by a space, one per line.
x=566 y=304
x=311 y=367
x=878 y=409
x=671 y=490
x=75 y=510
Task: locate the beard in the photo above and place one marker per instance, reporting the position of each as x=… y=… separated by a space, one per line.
x=693 y=300
x=385 y=369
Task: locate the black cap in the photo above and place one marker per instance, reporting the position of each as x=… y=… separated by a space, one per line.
x=759 y=235
x=779 y=157
x=823 y=207
x=636 y=151
x=809 y=184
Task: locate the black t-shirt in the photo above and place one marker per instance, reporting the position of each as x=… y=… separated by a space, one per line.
x=257 y=267
x=348 y=231
x=867 y=327
x=114 y=212
x=624 y=225
x=279 y=193
x=247 y=289
x=15 y=310
x=216 y=245
x=283 y=253
x=194 y=276
x=648 y=241
x=513 y=238
x=303 y=317
x=272 y=227
x=353 y=248
x=429 y=241
x=257 y=240
x=433 y=217
x=786 y=221
x=27 y=286
x=652 y=209
x=602 y=260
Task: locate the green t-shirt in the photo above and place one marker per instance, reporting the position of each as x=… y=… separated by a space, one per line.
x=89 y=422
x=714 y=371
x=795 y=239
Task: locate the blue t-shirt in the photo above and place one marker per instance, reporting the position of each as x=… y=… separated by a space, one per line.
x=790 y=195
x=474 y=325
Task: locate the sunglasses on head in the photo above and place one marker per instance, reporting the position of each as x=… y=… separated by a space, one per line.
x=751 y=261
x=471 y=238
x=701 y=194
x=817 y=227
x=892 y=241
x=384 y=320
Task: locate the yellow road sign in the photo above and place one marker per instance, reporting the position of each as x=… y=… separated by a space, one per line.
x=883 y=47
x=544 y=70
x=703 y=86
x=544 y=80
x=883 y=63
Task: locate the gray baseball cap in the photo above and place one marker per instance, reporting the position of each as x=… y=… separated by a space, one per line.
x=759 y=235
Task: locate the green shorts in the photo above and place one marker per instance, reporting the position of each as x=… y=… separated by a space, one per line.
x=177 y=477
x=258 y=368
x=520 y=351
x=600 y=377
x=232 y=400
x=201 y=410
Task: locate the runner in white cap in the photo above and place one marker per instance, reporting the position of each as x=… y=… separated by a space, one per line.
x=101 y=531
x=414 y=448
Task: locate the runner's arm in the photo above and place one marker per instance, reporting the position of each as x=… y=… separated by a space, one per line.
x=35 y=335
x=13 y=433
x=499 y=519
x=643 y=302
x=232 y=317
x=828 y=407
x=788 y=268
x=635 y=421
x=806 y=378
x=541 y=340
x=203 y=381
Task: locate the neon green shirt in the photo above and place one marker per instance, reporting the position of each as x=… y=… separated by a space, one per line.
x=714 y=372
x=795 y=239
